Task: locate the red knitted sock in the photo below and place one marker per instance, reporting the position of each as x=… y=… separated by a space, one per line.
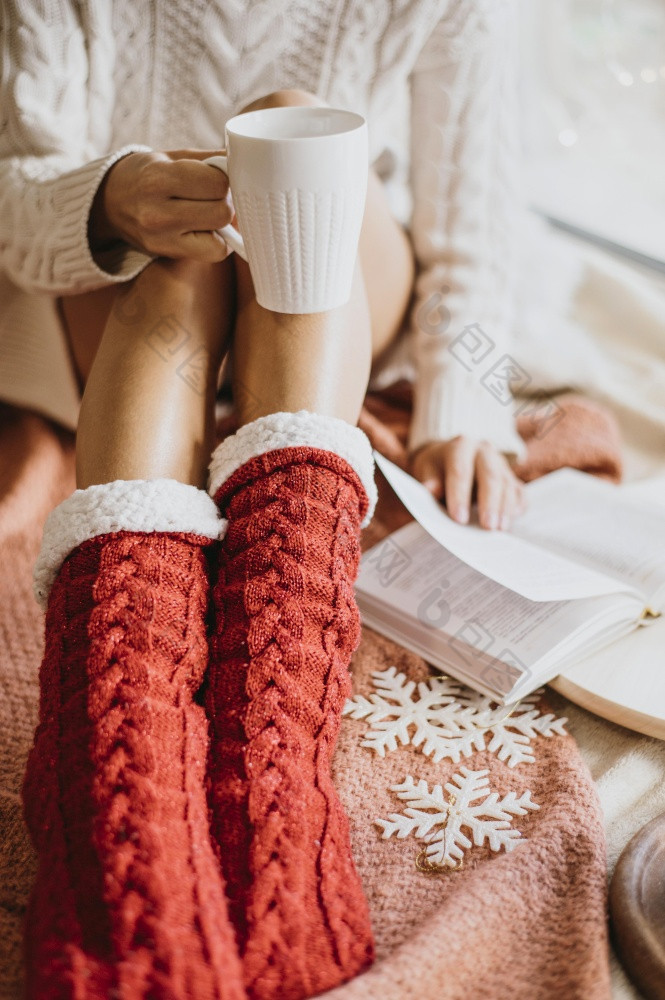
x=128 y=901
x=287 y=624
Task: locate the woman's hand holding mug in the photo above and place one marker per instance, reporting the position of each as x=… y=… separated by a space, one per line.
x=165 y=204
x=299 y=177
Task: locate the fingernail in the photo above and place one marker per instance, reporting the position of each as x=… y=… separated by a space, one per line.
x=462 y=515
x=492 y=520
x=505 y=522
x=431 y=485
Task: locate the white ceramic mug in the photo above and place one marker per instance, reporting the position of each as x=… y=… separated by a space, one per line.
x=298 y=179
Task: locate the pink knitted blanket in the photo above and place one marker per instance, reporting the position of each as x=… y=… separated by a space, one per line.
x=525 y=924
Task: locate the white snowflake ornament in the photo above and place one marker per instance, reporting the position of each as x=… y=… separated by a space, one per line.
x=438 y=821
x=512 y=731
x=442 y=727
x=448 y=720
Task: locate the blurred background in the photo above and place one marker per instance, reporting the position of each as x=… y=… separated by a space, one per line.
x=594 y=99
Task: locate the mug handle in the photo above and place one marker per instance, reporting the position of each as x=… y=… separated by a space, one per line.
x=229 y=233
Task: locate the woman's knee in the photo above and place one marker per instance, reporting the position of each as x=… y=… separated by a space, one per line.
x=186 y=285
x=285 y=98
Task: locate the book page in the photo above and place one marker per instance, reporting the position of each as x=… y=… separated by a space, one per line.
x=594 y=523
x=411 y=580
x=515 y=562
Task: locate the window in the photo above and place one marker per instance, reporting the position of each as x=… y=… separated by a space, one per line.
x=594 y=98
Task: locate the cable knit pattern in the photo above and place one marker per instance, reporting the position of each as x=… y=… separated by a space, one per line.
x=464 y=171
x=123 y=505
x=128 y=901
x=86 y=83
x=292 y=430
x=287 y=624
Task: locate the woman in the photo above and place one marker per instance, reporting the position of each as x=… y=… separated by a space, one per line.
x=148 y=887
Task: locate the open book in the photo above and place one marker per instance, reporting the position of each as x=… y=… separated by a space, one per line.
x=506 y=611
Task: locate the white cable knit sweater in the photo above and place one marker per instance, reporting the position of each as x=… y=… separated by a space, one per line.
x=83 y=83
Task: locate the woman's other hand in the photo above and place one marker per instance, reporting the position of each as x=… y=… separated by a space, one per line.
x=166 y=204
x=458 y=469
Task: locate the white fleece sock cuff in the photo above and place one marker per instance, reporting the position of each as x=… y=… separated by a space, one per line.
x=124 y=505
x=296 y=430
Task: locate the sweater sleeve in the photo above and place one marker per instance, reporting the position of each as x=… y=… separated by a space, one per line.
x=49 y=172
x=464 y=162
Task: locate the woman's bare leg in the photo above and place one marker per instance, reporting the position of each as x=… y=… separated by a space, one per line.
x=318 y=362
x=388 y=267
x=126 y=650
x=85 y=317
x=287 y=622
x=147 y=410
